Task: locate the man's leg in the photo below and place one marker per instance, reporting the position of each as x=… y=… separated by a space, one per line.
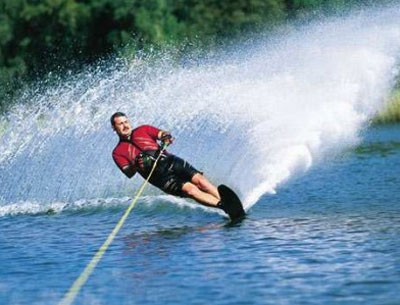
x=206 y=186
x=195 y=193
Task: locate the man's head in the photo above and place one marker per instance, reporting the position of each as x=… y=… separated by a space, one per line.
x=121 y=125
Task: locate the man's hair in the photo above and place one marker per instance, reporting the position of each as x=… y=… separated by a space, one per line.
x=116 y=115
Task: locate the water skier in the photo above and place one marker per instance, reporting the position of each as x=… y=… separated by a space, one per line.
x=137 y=151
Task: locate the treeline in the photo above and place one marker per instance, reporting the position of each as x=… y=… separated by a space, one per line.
x=38 y=36
x=391 y=112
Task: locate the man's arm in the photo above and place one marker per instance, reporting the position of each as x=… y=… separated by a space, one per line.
x=158 y=134
x=129 y=170
x=124 y=165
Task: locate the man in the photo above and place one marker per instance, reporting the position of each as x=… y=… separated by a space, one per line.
x=137 y=151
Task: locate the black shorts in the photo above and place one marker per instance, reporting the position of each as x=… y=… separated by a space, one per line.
x=171 y=174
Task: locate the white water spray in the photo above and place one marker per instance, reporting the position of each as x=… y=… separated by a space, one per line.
x=251 y=120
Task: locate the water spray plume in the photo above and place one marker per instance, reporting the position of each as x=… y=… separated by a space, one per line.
x=252 y=119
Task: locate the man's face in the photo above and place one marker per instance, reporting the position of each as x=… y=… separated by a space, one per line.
x=122 y=126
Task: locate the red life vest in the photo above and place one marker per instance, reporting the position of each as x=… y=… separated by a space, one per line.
x=142 y=138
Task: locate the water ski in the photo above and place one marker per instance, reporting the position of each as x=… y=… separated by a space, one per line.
x=230 y=202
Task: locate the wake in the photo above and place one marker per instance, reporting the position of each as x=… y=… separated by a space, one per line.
x=150 y=205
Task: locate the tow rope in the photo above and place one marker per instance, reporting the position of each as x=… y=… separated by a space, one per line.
x=70 y=296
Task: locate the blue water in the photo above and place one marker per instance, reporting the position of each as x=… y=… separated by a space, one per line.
x=330 y=236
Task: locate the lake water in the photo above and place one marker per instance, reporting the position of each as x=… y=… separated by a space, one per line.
x=330 y=236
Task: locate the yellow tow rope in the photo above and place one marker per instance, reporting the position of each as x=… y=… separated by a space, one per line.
x=69 y=297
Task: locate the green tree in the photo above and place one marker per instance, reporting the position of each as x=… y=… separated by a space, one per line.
x=37 y=36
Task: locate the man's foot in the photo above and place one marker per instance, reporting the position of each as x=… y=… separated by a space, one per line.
x=225 y=207
x=221 y=206
x=230 y=203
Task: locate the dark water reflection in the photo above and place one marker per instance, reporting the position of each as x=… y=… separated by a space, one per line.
x=381 y=148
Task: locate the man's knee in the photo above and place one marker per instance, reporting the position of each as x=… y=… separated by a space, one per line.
x=190 y=189
x=198 y=179
x=201 y=182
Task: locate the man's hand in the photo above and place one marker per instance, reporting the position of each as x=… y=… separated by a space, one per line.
x=144 y=162
x=166 y=138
